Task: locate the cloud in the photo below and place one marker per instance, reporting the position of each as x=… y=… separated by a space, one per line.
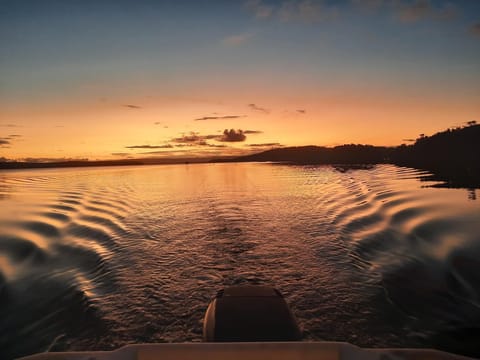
x=232 y=135
x=183 y=145
x=265 y=144
x=301 y=111
x=258 y=108
x=6 y=141
x=259 y=9
x=307 y=11
x=417 y=10
x=120 y=154
x=13 y=136
x=369 y=4
x=217 y=145
x=253 y=132
x=475 y=29
x=186 y=141
x=204 y=143
x=159 y=152
x=315 y=11
x=130 y=106
x=193 y=137
x=219 y=117
x=236 y=40
x=166 y=146
x=411 y=12
x=9 y=125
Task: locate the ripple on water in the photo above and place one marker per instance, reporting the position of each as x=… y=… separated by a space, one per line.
x=19 y=250
x=55 y=307
x=113 y=256
x=89 y=232
x=63 y=207
x=39 y=227
x=113 y=225
x=64 y=218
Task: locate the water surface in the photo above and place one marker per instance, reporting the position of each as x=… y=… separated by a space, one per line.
x=95 y=258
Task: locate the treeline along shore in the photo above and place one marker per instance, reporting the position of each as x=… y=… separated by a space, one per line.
x=453 y=156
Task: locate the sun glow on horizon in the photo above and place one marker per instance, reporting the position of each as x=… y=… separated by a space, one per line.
x=171 y=84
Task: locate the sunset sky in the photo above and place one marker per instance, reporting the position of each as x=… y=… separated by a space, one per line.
x=116 y=79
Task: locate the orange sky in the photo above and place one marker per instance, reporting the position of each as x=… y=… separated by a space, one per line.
x=360 y=78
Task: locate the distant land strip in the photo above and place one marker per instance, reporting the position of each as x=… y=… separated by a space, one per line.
x=452 y=156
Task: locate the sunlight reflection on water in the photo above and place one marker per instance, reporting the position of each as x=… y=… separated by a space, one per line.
x=101 y=257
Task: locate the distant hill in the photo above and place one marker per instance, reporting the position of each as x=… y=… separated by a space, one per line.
x=344 y=154
x=453 y=155
x=87 y=163
x=68 y=163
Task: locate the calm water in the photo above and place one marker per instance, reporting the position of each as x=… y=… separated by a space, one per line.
x=96 y=258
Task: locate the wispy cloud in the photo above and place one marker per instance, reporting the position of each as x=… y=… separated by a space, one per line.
x=6 y=141
x=14 y=136
x=410 y=11
x=265 y=144
x=215 y=145
x=165 y=146
x=315 y=11
x=475 y=29
x=258 y=108
x=236 y=40
x=369 y=4
x=193 y=137
x=308 y=11
x=131 y=106
x=253 y=132
x=301 y=111
x=9 y=125
x=120 y=154
x=219 y=117
x=259 y=9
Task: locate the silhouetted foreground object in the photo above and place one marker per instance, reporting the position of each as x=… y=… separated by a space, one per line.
x=249 y=313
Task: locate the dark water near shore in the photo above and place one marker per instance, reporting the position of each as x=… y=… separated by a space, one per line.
x=96 y=258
